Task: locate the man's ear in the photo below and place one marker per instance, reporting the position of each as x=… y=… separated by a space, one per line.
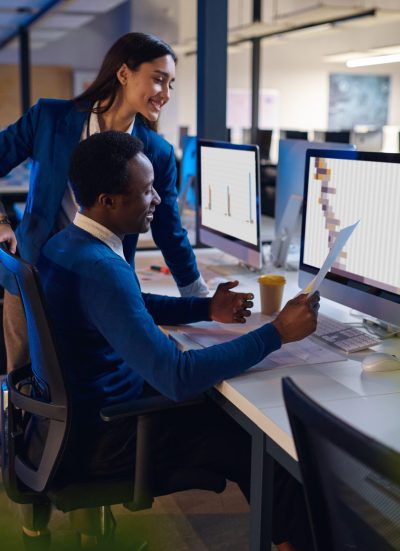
x=122 y=74
x=105 y=200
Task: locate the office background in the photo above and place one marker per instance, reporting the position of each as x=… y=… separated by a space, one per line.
x=295 y=65
x=294 y=84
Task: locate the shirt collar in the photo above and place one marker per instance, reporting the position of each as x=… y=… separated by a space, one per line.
x=101 y=232
x=94 y=126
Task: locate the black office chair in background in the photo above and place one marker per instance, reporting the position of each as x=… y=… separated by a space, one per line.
x=351 y=482
x=39 y=389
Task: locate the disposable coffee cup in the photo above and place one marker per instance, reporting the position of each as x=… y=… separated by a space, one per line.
x=271 y=293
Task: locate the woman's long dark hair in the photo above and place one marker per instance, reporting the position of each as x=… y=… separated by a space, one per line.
x=133 y=49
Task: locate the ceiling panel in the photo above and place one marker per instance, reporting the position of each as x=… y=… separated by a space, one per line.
x=64 y=16
x=46 y=35
x=18 y=4
x=8 y=19
x=63 y=21
x=89 y=6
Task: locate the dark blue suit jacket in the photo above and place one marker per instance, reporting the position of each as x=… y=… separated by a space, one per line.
x=47 y=134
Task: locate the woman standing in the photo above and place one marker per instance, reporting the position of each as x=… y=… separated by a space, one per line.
x=133 y=84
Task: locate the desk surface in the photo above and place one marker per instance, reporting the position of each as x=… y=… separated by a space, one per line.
x=370 y=402
x=16 y=182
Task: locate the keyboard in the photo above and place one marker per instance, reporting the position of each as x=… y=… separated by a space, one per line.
x=343 y=336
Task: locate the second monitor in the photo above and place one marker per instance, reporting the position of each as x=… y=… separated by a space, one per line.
x=229 y=199
x=342 y=187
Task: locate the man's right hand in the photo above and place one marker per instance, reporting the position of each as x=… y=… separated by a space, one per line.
x=298 y=319
x=8 y=236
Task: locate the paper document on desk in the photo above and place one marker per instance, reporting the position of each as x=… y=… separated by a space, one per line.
x=305 y=352
x=291 y=354
x=208 y=335
x=334 y=252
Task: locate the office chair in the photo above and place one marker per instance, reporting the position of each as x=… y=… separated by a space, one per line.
x=49 y=398
x=351 y=482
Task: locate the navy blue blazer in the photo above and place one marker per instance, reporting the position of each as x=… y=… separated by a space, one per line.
x=47 y=134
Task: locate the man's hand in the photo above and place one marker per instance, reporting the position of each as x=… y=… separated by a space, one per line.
x=8 y=236
x=228 y=307
x=298 y=318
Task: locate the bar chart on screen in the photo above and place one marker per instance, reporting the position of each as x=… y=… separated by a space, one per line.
x=229 y=194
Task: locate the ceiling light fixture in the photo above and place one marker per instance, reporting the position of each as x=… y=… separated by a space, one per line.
x=373 y=60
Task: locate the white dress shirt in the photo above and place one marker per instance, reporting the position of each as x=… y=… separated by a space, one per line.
x=101 y=232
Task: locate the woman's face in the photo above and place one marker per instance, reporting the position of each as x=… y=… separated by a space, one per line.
x=147 y=89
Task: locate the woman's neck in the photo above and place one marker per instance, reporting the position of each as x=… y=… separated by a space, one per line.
x=118 y=117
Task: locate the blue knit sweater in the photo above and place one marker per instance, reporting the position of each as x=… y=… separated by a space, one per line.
x=107 y=334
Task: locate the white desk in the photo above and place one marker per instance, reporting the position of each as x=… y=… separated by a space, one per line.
x=13 y=187
x=370 y=402
x=16 y=182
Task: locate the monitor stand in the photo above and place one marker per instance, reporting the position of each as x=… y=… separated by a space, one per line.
x=380 y=328
x=284 y=235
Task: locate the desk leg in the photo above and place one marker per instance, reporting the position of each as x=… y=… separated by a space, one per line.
x=261 y=477
x=261 y=494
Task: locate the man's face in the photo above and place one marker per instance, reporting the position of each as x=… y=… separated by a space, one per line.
x=134 y=209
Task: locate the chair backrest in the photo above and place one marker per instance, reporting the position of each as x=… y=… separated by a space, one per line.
x=351 y=482
x=49 y=398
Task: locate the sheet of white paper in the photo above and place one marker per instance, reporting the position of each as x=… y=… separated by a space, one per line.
x=205 y=337
x=299 y=353
x=291 y=354
x=338 y=245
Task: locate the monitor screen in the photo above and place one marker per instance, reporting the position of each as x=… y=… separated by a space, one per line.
x=263 y=140
x=229 y=199
x=188 y=173
x=294 y=134
x=290 y=174
x=337 y=136
x=369 y=140
x=183 y=132
x=342 y=187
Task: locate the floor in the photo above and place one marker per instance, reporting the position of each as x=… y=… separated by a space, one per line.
x=186 y=521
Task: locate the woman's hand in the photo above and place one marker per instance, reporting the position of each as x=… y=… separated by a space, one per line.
x=8 y=236
x=229 y=307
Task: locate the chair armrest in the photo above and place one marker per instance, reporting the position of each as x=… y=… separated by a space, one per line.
x=32 y=405
x=143 y=406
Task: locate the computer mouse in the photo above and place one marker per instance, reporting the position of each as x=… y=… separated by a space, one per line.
x=213 y=282
x=380 y=362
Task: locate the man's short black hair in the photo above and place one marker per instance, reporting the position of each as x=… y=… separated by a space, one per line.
x=99 y=164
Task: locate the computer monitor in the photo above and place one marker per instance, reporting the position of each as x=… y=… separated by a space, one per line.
x=342 y=187
x=229 y=199
x=263 y=140
x=294 y=134
x=338 y=136
x=183 y=132
x=187 y=173
x=368 y=140
x=290 y=174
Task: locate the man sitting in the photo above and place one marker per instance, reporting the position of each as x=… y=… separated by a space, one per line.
x=112 y=349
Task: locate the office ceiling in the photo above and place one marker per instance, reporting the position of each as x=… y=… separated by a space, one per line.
x=48 y=19
x=290 y=19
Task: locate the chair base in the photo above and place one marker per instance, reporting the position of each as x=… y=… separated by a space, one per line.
x=36 y=543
